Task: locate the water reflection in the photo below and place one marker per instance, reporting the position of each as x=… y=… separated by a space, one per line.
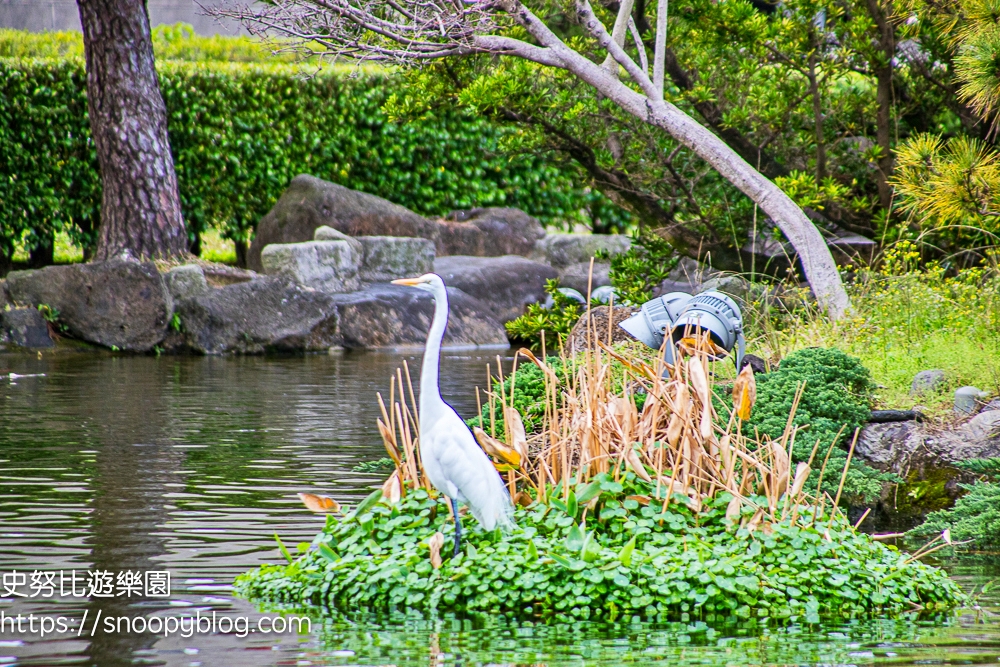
x=190 y=465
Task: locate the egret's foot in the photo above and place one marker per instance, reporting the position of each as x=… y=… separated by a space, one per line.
x=458 y=527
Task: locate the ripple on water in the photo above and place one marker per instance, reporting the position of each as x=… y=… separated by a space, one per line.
x=193 y=464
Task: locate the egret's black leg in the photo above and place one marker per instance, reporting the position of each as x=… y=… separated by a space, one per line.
x=458 y=525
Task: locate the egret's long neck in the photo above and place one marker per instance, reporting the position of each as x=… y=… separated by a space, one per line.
x=430 y=395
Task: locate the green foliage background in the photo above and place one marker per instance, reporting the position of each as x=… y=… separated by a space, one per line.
x=240 y=131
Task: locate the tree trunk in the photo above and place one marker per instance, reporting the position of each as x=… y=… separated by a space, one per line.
x=883 y=100
x=140 y=207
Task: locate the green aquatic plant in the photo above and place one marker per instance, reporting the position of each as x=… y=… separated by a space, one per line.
x=601 y=553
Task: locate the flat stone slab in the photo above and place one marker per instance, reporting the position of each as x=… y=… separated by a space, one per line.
x=394 y=315
x=328 y=266
x=389 y=257
x=119 y=304
x=505 y=284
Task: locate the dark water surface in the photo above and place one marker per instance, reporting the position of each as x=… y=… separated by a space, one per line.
x=191 y=465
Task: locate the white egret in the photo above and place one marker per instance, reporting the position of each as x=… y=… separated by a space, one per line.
x=454 y=462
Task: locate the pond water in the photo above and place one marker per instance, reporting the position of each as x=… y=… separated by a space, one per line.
x=191 y=465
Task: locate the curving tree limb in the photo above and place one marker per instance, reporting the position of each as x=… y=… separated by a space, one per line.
x=408 y=31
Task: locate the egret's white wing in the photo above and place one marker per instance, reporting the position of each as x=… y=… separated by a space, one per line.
x=465 y=465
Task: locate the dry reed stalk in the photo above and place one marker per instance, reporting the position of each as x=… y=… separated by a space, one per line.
x=590 y=425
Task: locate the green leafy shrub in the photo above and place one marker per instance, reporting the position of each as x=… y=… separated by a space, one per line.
x=976 y=515
x=838 y=394
x=239 y=132
x=625 y=558
x=556 y=321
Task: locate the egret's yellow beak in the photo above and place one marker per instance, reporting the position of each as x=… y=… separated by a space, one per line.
x=410 y=282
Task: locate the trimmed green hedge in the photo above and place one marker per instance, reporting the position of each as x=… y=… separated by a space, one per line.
x=240 y=131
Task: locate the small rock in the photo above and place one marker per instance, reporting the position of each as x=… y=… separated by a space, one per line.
x=310 y=202
x=25 y=327
x=967 y=399
x=927 y=381
x=187 y=280
x=389 y=257
x=562 y=250
x=259 y=316
x=489 y=232
x=118 y=304
x=583 y=333
x=505 y=284
x=578 y=276
x=393 y=315
x=324 y=233
x=992 y=405
x=220 y=275
x=328 y=266
x=984 y=425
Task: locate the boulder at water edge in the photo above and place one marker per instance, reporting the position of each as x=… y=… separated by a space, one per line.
x=118 y=304
x=506 y=284
x=267 y=314
x=393 y=315
x=311 y=202
x=24 y=327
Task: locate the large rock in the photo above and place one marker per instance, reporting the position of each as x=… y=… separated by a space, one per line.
x=389 y=257
x=507 y=284
x=118 y=304
x=310 y=202
x=25 y=327
x=561 y=250
x=901 y=446
x=268 y=314
x=579 y=275
x=393 y=315
x=489 y=232
x=328 y=266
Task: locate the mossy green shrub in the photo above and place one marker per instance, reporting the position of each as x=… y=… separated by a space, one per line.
x=975 y=517
x=838 y=394
x=622 y=557
x=528 y=386
x=239 y=132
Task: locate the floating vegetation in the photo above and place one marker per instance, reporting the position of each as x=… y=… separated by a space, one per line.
x=669 y=511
